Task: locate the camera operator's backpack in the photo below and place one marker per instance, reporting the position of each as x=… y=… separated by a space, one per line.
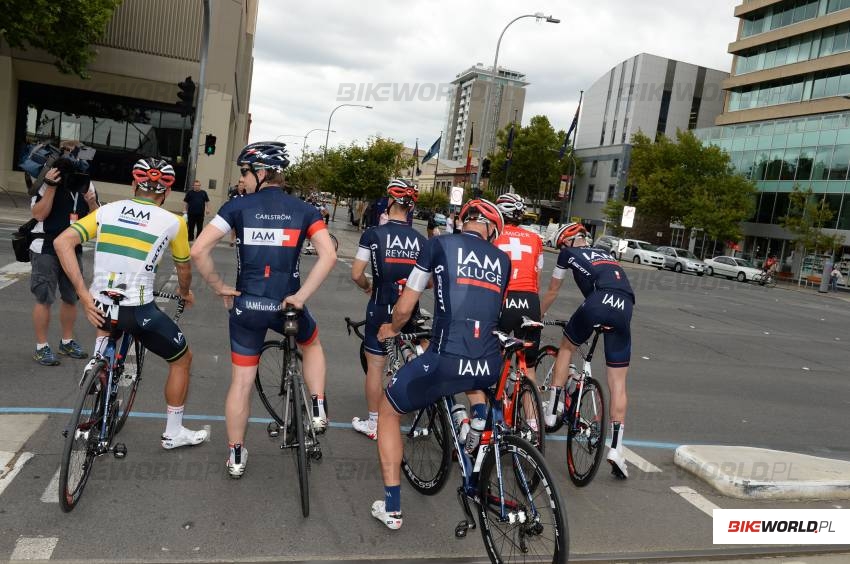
x=22 y=238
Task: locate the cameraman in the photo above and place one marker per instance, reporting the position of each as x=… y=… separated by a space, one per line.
x=56 y=206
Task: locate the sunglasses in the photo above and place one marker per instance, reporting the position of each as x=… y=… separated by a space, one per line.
x=244 y=171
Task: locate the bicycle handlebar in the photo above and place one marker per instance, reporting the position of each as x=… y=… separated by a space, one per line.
x=181 y=303
x=355 y=325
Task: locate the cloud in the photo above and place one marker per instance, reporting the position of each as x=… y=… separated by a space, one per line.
x=306 y=52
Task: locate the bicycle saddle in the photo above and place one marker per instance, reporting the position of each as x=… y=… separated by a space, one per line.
x=510 y=344
x=116 y=294
x=528 y=322
x=603 y=328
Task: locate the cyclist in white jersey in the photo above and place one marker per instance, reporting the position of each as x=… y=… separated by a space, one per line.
x=132 y=236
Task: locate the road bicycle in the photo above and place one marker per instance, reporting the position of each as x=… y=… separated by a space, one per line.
x=107 y=393
x=280 y=385
x=424 y=332
x=309 y=249
x=519 y=508
x=355 y=326
x=764 y=279
x=584 y=408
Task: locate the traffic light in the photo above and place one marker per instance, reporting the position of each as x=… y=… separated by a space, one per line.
x=485 y=168
x=186 y=96
x=209 y=145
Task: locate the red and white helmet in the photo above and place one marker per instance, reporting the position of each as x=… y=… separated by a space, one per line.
x=483 y=211
x=402 y=192
x=153 y=175
x=569 y=232
x=511 y=206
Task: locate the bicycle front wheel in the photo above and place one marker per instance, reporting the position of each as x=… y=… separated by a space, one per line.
x=586 y=436
x=334 y=240
x=427 y=449
x=528 y=417
x=128 y=385
x=528 y=523
x=270 y=379
x=81 y=437
x=300 y=419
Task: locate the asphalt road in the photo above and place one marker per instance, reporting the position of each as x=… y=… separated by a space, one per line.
x=714 y=362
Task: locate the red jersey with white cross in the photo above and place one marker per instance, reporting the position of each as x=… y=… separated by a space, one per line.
x=525 y=250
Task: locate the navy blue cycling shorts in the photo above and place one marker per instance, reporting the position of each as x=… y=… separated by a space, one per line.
x=251 y=317
x=150 y=326
x=377 y=315
x=428 y=377
x=605 y=307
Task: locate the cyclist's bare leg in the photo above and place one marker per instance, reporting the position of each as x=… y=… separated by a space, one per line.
x=314 y=367
x=374 y=373
x=177 y=385
x=562 y=363
x=390 y=448
x=617 y=390
x=237 y=405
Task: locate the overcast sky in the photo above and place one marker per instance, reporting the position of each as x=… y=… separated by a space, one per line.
x=309 y=57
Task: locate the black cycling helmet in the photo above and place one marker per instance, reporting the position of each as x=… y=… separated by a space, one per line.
x=269 y=155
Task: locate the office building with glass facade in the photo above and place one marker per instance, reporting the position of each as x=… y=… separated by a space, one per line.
x=786 y=119
x=127 y=108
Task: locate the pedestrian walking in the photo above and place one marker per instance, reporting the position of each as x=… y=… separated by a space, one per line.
x=196 y=204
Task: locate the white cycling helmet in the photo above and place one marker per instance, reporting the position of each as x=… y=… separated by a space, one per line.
x=511 y=206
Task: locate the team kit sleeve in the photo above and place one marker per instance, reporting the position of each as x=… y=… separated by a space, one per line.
x=421 y=274
x=364 y=248
x=314 y=222
x=561 y=267
x=86 y=227
x=180 y=242
x=225 y=219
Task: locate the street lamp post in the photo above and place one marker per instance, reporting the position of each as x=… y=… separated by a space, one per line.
x=495 y=73
x=304 y=146
x=330 y=117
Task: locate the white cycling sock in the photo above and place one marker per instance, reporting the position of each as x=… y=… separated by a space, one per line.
x=554 y=394
x=174 y=421
x=617 y=429
x=373 y=417
x=100 y=345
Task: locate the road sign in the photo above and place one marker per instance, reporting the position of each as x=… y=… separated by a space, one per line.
x=456 y=198
x=628 y=216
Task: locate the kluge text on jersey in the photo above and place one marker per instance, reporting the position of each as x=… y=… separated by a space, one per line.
x=470 y=266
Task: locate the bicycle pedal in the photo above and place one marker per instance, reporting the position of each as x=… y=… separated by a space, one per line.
x=273 y=429
x=462 y=528
x=119 y=450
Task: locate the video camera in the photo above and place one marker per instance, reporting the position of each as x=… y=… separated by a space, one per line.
x=72 y=163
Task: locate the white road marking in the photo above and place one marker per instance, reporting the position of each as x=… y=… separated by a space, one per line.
x=12 y=272
x=10 y=475
x=695 y=499
x=640 y=462
x=34 y=548
x=51 y=493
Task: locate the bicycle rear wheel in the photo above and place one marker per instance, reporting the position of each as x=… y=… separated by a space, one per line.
x=270 y=379
x=528 y=417
x=586 y=437
x=128 y=385
x=534 y=524
x=81 y=437
x=300 y=419
x=427 y=449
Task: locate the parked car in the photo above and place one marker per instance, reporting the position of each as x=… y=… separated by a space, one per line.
x=731 y=267
x=608 y=243
x=440 y=219
x=641 y=252
x=682 y=260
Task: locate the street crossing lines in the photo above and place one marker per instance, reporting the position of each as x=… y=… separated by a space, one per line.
x=51 y=493
x=7 y=477
x=34 y=548
x=695 y=499
x=12 y=272
x=640 y=462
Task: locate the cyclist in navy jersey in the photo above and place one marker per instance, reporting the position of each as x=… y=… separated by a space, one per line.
x=608 y=300
x=271 y=227
x=392 y=250
x=470 y=277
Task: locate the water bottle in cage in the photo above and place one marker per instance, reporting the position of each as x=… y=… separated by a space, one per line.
x=461 y=421
x=473 y=438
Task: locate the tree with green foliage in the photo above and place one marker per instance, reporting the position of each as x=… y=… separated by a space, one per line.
x=807 y=217
x=535 y=170
x=64 y=30
x=689 y=183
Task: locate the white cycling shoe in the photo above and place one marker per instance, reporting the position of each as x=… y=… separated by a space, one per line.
x=366 y=427
x=618 y=464
x=186 y=437
x=391 y=520
x=236 y=461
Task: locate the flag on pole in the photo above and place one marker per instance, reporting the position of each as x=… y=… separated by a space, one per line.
x=572 y=128
x=416 y=168
x=435 y=148
x=509 y=153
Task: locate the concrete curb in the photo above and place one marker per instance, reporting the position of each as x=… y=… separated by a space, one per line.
x=758 y=473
